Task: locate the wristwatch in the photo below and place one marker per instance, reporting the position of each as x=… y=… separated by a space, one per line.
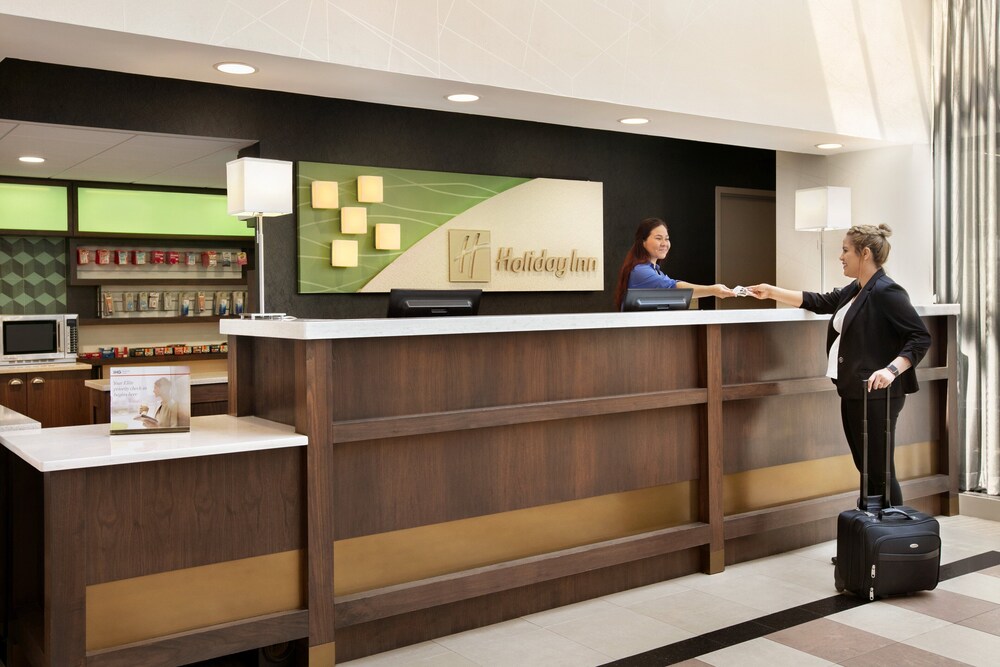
x=892 y=369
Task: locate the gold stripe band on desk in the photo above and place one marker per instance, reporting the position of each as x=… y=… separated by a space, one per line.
x=323 y=655
x=396 y=557
x=385 y=559
x=140 y=608
x=792 y=482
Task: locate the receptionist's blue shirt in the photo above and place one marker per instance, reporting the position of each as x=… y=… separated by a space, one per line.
x=648 y=276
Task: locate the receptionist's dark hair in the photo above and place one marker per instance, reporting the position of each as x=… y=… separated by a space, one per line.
x=636 y=255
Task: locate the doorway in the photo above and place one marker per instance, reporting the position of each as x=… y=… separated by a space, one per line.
x=744 y=242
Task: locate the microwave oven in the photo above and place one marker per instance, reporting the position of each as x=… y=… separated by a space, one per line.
x=37 y=339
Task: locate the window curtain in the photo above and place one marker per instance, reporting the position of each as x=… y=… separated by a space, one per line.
x=967 y=79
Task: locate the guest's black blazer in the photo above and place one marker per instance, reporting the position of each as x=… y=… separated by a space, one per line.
x=880 y=326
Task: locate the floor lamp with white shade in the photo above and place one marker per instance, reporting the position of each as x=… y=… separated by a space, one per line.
x=258 y=189
x=819 y=210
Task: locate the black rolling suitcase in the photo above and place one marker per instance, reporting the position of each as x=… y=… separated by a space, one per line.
x=884 y=550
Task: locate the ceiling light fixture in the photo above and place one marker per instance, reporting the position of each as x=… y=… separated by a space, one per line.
x=33 y=159
x=828 y=147
x=633 y=121
x=235 y=68
x=462 y=97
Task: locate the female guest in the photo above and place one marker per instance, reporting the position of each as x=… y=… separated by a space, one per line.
x=874 y=340
x=165 y=415
x=641 y=268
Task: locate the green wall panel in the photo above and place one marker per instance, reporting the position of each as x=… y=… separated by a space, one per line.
x=110 y=211
x=420 y=201
x=33 y=207
x=32 y=275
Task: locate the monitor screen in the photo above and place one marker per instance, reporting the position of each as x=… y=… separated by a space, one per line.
x=657 y=299
x=431 y=302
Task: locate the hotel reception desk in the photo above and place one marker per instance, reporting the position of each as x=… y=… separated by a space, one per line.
x=459 y=472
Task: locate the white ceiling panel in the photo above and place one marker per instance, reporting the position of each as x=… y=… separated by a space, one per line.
x=91 y=154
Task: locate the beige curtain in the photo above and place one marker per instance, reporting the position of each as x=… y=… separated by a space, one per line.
x=967 y=79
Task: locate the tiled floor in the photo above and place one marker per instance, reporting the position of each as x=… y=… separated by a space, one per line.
x=781 y=610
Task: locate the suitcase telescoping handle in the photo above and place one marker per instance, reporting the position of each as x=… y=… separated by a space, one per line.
x=886 y=492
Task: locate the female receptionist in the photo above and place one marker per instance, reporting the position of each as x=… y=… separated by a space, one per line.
x=641 y=267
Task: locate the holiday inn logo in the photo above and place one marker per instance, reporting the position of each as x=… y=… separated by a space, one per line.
x=469 y=251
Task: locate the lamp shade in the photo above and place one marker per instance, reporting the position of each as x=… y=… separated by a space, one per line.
x=822 y=208
x=255 y=186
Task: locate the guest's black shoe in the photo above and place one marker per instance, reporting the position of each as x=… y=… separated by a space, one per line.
x=834 y=560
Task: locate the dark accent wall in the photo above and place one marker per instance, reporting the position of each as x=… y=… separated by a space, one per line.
x=642 y=176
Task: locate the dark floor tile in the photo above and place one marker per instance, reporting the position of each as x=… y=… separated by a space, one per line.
x=988 y=622
x=946 y=605
x=901 y=655
x=971 y=564
x=830 y=640
x=788 y=618
x=671 y=654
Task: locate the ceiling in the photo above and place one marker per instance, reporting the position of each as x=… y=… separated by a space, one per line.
x=89 y=154
x=135 y=157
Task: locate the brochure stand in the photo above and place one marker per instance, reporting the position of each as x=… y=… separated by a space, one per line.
x=150 y=399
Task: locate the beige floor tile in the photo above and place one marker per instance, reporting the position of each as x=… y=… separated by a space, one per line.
x=696 y=611
x=506 y=631
x=536 y=647
x=762 y=653
x=570 y=612
x=765 y=593
x=620 y=633
x=960 y=643
x=643 y=593
x=888 y=620
x=975 y=585
x=427 y=654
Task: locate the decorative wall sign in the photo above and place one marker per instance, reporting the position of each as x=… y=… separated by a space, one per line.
x=441 y=230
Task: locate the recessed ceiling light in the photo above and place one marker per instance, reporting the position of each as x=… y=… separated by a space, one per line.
x=462 y=97
x=32 y=159
x=829 y=147
x=235 y=68
x=633 y=121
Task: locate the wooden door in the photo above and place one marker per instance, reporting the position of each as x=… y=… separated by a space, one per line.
x=13 y=392
x=744 y=242
x=58 y=398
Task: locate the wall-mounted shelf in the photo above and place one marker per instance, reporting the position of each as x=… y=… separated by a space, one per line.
x=179 y=358
x=194 y=319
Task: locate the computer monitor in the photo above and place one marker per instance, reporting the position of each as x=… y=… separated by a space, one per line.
x=657 y=299
x=433 y=302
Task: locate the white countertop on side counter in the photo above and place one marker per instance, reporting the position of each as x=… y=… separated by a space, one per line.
x=91 y=446
x=218 y=377
x=15 y=421
x=308 y=329
x=44 y=368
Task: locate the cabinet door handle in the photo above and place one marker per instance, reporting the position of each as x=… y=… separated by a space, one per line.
x=15 y=383
x=37 y=380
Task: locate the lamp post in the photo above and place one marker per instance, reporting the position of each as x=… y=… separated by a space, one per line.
x=258 y=188
x=821 y=209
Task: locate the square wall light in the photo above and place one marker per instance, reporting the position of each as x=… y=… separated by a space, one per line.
x=324 y=194
x=386 y=237
x=353 y=220
x=370 y=189
x=344 y=253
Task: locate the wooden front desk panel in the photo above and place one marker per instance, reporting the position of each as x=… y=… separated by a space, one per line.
x=459 y=480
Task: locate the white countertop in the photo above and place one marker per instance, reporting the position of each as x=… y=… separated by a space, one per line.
x=15 y=421
x=307 y=329
x=73 y=447
x=45 y=368
x=218 y=377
